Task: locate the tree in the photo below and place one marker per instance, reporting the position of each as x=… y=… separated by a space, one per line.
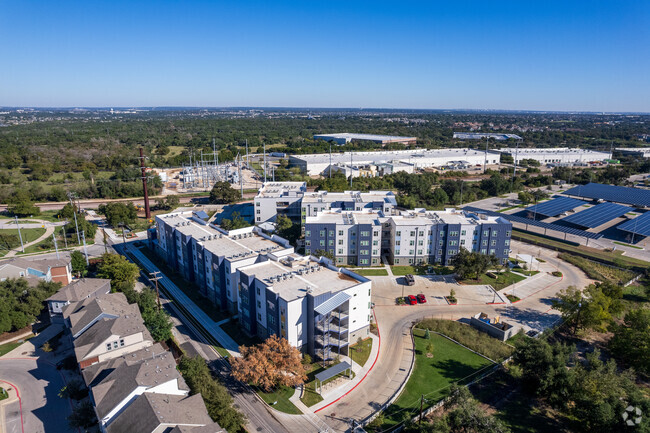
x=223 y=193
x=78 y=262
x=21 y=304
x=324 y=253
x=167 y=203
x=427 y=333
x=525 y=197
x=21 y=205
x=286 y=229
x=429 y=348
x=237 y=222
x=83 y=416
x=270 y=364
x=74 y=389
x=631 y=340
x=589 y=309
x=156 y=320
x=119 y=270
x=118 y=213
x=472 y=263
x=217 y=400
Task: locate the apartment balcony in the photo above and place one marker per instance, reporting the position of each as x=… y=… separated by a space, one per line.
x=324 y=340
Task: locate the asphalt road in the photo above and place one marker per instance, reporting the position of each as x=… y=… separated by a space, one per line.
x=39 y=384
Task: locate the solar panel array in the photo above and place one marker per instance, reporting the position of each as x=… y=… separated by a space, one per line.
x=617 y=194
x=556 y=206
x=639 y=225
x=548 y=226
x=597 y=215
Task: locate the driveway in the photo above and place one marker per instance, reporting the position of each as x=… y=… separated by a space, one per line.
x=38 y=383
x=396 y=351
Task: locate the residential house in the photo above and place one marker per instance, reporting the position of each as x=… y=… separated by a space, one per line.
x=75 y=292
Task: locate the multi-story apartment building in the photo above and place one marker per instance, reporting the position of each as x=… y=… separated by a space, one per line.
x=421 y=236
x=275 y=198
x=321 y=201
x=317 y=307
x=210 y=256
x=353 y=238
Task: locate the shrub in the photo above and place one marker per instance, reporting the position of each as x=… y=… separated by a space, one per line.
x=556 y=274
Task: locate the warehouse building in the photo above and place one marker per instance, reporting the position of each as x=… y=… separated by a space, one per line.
x=275 y=198
x=557 y=155
x=317 y=307
x=482 y=135
x=346 y=137
x=420 y=236
x=319 y=164
x=353 y=238
x=641 y=152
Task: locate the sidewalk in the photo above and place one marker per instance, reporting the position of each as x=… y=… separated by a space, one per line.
x=331 y=395
x=13 y=394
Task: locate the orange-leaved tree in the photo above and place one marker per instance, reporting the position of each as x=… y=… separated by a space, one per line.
x=269 y=364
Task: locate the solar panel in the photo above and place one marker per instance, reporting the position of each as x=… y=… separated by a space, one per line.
x=556 y=206
x=639 y=225
x=617 y=194
x=597 y=215
x=548 y=226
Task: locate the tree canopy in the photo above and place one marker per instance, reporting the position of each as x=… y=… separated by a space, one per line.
x=223 y=193
x=20 y=304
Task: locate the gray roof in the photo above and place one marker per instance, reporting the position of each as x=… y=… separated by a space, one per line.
x=81 y=289
x=333 y=371
x=85 y=312
x=149 y=411
x=103 y=329
x=95 y=373
x=148 y=373
x=332 y=303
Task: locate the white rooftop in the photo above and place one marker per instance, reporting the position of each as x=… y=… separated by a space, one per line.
x=550 y=150
x=372 y=137
x=407 y=156
x=356 y=196
x=282 y=189
x=338 y=216
x=295 y=276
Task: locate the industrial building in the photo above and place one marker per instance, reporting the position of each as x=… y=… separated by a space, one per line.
x=319 y=164
x=346 y=137
x=275 y=198
x=420 y=236
x=210 y=256
x=557 y=155
x=482 y=135
x=317 y=307
x=641 y=152
x=353 y=238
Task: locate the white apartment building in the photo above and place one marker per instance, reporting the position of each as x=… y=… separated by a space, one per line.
x=275 y=198
x=317 y=307
x=314 y=203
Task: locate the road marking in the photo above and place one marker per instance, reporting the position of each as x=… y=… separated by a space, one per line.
x=20 y=405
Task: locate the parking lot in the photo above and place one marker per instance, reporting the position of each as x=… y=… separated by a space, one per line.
x=435 y=287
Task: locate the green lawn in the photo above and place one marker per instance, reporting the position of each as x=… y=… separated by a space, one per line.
x=3 y=394
x=361 y=356
x=432 y=377
x=279 y=400
x=504 y=280
x=599 y=271
x=526 y=273
x=8 y=347
x=310 y=397
x=29 y=235
x=371 y=272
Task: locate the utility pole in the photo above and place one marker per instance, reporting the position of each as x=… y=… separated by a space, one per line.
x=144 y=185
x=153 y=276
x=247 y=162
x=74 y=212
x=514 y=171
x=241 y=180
x=350 y=169
x=19 y=234
x=85 y=251
x=55 y=246
x=330 y=159
x=65 y=239
x=486 y=150
x=462 y=182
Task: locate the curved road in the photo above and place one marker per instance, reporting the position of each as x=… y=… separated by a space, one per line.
x=396 y=348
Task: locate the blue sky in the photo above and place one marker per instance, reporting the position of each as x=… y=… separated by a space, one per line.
x=526 y=54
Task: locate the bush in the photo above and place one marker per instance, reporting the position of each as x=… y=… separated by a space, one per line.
x=599 y=271
x=470 y=337
x=556 y=273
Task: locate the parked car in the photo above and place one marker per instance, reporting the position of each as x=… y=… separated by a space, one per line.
x=411 y=300
x=410 y=280
x=421 y=298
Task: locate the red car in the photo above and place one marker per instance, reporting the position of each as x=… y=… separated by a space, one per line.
x=422 y=299
x=412 y=300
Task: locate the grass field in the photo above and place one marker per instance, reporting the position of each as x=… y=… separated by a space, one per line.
x=371 y=272
x=504 y=280
x=627 y=245
x=432 y=377
x=8 y=347
x=279 y=400
x=361 y=356
x=599 y=271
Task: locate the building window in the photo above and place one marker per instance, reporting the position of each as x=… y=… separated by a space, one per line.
x=340 y=250
x=495 y=232
x=375 y=243
x=506 y=242
x=307 y=251
x=462 y=241
x=442 y=233
x=410 y=251
x=258 y=292
x=322 y=233
x=505 y=252
x=441 y=243
x=365 y=233
x=114 y=344
x=507 y=234
x=375 y=233
x=259 y=316
x=439 y=252
x=364 y=243
x=108 y=346
x=363 y=262
x=121 y=342
x=259 y=211
x=364 y=252
x=397 y=242
x=419 y=252
x=492 y=251
x=332 y=233
x=308 y=243
x=411 y=243
x=486 y=233
x=463 y=232
x=484 y=243
x=397 y=252
x=493 y=243
x=453 y=233
x=374 y=252
x=322 y=243
x=453 y=243
x=412 y=233
x=398 y=233
x=483 y=251
x=340 y=232
x=330 y=242
x=307 y=232
x=420 y=243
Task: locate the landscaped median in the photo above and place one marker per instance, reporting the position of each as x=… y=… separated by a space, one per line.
x=450 y=363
